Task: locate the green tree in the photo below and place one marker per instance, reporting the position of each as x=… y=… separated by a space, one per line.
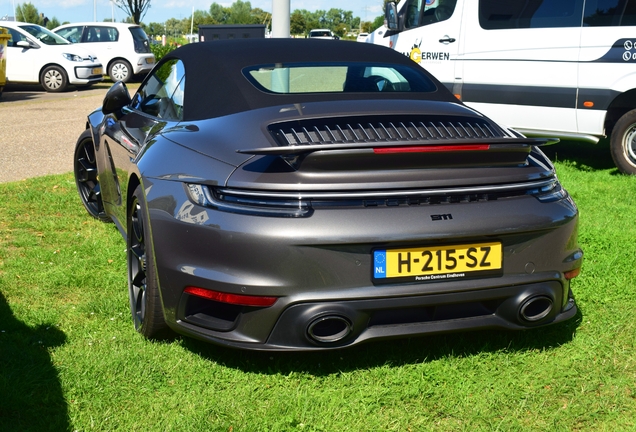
x=261 y=17
x=312 y=19
x=154 y=29
x=297 y=23
x=218 y=13
x=378 y=22
x=240 y=13
x=201 y=17
x=174 y=28
x=367 y=26
x=28 y=13
x=53 y=22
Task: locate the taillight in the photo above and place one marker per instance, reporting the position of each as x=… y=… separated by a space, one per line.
x=432 y=148
x=235 y=299
x=572 y=273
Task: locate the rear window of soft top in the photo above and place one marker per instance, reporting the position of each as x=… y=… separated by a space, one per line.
x=337 y=78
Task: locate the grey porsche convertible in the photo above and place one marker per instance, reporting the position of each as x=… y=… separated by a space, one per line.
x=282 y=194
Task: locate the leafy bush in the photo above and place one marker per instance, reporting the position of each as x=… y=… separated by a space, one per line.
x=161 y=50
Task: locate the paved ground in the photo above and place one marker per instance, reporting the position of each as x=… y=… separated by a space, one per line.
x=38 y=130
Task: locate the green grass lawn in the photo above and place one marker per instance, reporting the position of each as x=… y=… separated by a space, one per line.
x=70 y=359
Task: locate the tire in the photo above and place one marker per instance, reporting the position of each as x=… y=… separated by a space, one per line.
x=120 y=70
x=54 y=79
x=143 y=290
x=86 y=180
x=623 y=143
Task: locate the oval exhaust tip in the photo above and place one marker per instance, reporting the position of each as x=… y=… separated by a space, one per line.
x=329 y=329
x=536 y=308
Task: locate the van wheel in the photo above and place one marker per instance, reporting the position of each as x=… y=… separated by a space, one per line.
x=623 y=143
x=120 y=70
x=54 y=79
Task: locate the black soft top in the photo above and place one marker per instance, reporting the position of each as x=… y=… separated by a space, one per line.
x=215 y=85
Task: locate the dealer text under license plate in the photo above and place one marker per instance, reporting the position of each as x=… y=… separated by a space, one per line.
x=438 y=263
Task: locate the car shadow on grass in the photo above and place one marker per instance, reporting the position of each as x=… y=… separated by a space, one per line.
x=31 y=397
x=583 y=155
x=397 y=352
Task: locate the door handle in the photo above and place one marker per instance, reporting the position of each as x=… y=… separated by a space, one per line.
x=447 y=39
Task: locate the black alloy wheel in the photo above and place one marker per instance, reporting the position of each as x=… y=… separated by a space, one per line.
x=143 y=291
x=86 y=180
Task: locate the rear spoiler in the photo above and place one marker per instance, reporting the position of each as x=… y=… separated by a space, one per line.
x=449 y=145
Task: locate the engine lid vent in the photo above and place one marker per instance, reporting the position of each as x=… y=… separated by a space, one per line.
x=412 y=129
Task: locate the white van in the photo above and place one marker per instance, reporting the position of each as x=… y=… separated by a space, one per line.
x=564 y=68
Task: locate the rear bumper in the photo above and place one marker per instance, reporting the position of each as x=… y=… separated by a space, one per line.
x=143 y=64
x=331 y=325
x=321 y=266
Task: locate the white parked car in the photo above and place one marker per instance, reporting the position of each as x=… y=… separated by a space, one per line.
x=124 y=49
x=362 y=37
x=322 y=34
x=36 y=55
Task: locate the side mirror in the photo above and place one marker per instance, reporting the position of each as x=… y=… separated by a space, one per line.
x=391 y=16
x=24 y=44
x=116 y=98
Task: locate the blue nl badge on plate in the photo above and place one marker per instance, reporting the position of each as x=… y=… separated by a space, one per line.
x=379 y=264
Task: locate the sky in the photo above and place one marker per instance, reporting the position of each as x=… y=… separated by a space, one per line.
x=161 y=10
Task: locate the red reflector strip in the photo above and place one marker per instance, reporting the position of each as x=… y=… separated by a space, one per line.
x=432 y=149
x=572 y=273
x=235 y=299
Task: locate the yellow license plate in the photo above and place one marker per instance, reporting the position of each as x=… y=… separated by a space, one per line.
x=438 y=263
x=150 y=60
x=97 y=71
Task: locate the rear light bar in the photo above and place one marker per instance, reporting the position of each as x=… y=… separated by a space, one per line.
x=235 y=299
x=432 y=148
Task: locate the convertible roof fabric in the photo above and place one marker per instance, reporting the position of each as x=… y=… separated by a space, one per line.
x=215 y=85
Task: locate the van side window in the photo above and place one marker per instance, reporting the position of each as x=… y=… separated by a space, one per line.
x=424 y=12
x=513 y=14
x=604 y=13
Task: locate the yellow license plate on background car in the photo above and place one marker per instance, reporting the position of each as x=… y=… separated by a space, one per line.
x=438 y=263
x=97 y=71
